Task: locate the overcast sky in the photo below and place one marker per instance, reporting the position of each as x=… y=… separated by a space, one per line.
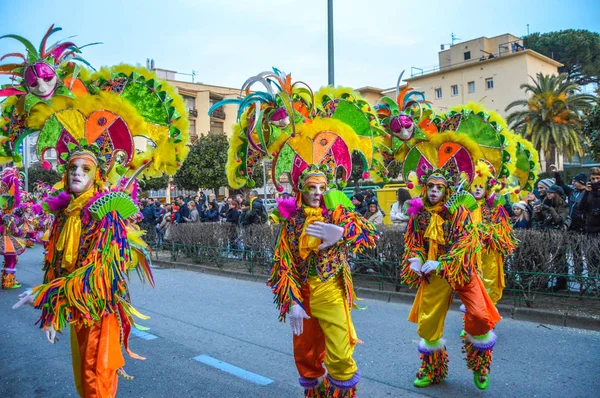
x=226 y=41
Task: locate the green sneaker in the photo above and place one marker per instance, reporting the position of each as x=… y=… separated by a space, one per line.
x=482 y=382
x=421 y=382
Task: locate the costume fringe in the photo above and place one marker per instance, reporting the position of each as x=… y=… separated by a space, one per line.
x=414 y=247
x=461 y=261
x=283 y=279
x=499 y=233
x=434 y=361
x=478 y=351
x=318 y=391
x=99 y=287
x=359 y=234
x=342 y=389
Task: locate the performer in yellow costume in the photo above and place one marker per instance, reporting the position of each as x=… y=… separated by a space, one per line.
x=495 y=231
x=311 y=139
x=441 y=258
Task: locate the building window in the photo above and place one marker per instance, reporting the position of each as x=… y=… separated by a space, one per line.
x=454 y=90
x=471 y=87
x=467 y=55
x=438 y=93
x=489 y=83
x=216 y=127
x=190 y=102
x=193 y=129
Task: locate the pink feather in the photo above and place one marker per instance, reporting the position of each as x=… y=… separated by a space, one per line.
x=56 y=203
x=36 y=209
x=415 y=205
x=287 y=207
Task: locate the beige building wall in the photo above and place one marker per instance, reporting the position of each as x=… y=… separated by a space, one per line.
x=477 y=49
x=199 y=98
x=471 y=82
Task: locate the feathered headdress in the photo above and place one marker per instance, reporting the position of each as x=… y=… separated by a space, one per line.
x=323 y=129
x=48 y=66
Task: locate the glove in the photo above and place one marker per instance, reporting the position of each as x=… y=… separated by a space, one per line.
x=297 y=317
x=415 y=265
x=25 y=298
x=330 y=234
x=51 y=335
x=430 y=265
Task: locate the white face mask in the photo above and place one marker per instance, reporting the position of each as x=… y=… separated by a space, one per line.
x=312 y=194
x=478 y=192
x=43 y=88
x=81 y=175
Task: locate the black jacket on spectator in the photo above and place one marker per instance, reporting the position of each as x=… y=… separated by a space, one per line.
x=223 y=210
x=362 y=208
x=257 y=213
x=183 y=211
x=211 y=216
x=577 y=217
x=590 y=206
x=233 y=216
x=149 y=214
x=551 y=217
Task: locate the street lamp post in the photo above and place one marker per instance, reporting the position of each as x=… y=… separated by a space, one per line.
x=264 y=178
x=330 y=68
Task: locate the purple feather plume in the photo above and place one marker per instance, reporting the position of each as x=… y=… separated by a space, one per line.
x=415 y=205
x=56 y=203
x=287 y=207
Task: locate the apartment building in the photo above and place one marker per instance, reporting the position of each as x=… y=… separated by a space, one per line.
x=199 y=98
x=485 y=70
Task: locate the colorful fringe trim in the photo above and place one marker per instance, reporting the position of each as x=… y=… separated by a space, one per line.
x=498 y=235
x=434 y=360
x=359 y=234
x=478 y=350
x=284 y=279
x=314 y=388
x=97 y=288
x=414 y=247
x=343 y=389
x=461 y=261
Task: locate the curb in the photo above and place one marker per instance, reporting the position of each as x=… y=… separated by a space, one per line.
x=543 y=317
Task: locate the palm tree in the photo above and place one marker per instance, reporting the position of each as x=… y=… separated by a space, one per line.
x=551 y=117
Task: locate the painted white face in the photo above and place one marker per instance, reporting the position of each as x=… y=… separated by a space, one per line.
x=435 y=192
x=313 y=193
x=81 y=175
x=478 y=191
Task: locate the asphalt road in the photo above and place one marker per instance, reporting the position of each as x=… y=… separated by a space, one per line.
x=235 y=321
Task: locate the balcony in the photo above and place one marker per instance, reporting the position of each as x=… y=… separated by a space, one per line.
x=218 y=114
x=193 y=112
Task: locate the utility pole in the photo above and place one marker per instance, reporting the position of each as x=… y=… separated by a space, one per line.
x=330 y=68
x=264 y=164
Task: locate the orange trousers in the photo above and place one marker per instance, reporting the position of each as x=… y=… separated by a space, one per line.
x=329 y=337
x=433 y=301
x=96 y=352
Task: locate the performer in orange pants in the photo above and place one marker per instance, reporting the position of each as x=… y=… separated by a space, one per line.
x=440 y=258
x=312 y=139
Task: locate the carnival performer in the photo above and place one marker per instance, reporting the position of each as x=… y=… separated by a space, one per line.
x=495 y=231
x=94 y=242
x=12 y=244
x=311 y=138
x=441 y=258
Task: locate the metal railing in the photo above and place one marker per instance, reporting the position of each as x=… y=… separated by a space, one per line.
x=579 y=291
